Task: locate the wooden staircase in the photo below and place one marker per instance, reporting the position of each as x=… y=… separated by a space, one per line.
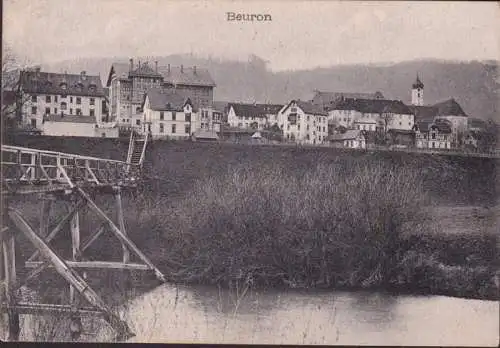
x=137 y=149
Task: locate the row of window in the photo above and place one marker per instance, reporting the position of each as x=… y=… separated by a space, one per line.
x=187 y=128
x=318 y=128
x=78 y=111
x=293 y=137
x=48 y=99
x=187 y=116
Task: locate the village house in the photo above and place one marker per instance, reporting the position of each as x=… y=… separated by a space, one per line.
x=362 y=114
x=129 y=83
x=326 y=100
x=208 y=119
x=303 y=122
x=47 y=95
x=246 y=116
x=167 y=115
x=351 y=139
x=433 y=134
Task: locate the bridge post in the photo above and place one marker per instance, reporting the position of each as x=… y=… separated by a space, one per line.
x=9 y=275
x=76 y=324
x=121 y=223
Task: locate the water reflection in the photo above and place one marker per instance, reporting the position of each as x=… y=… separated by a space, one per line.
x=204 y=314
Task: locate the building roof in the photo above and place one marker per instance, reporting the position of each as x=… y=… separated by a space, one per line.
x=220 y=106
x=121 y=70
x=332 y=97
x=443 y=126
x=373 y=106
x=476 y=123
x=162 y=100
x=310 y=108
x=38 y=82
x=247 y=110
x=192 y=76
x=69 y=118
x=271 y=108
x=449 y=107
x=144 y=70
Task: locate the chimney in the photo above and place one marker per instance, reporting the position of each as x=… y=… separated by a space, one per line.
x=139 y=64
x=83 y=75
x=194 y=69
x=131 y=64
x=169 y=68
x=156 y=66
x=182 y=68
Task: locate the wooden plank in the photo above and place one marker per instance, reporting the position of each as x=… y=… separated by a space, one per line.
x=93 y=237
x=10 y=280
x=121 y=236
x=76 y=324
x=60 y=225
x=121 y=223
x=41 y=308
x=95 y=264
x=72 y=277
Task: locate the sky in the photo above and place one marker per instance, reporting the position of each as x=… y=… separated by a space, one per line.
x=301 y=35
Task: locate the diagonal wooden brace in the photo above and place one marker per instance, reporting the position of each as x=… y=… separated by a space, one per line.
x=71 y=276
x=124 y=239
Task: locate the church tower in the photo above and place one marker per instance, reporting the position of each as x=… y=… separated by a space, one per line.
x=417 y=92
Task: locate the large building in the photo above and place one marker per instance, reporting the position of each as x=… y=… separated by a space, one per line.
x=128 y=83
x=303 y=122
x=327 y=100
x=46 y=94
x=252 y=116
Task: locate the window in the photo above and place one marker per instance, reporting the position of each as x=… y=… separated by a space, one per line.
x=173 y=128
x=33 y=110
x=187 y=129
x=33 y=98
x=55 y=110
x=47 y=111
x=79 y=112
x=173 y=117
x=33 y=122
x=188 y=117
x=70 y=99
x=55 y=98
x=78 y=100
x=92 y=101
x=63 y=106
x=92 y=113
x=71 y=111
x=138 y=122
x=47 y=99
x=162 y=115
x=433 y=135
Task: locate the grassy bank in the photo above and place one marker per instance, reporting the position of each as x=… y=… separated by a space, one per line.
x=270 y=216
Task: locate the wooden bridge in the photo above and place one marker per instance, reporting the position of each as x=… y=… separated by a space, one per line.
x=75 y=180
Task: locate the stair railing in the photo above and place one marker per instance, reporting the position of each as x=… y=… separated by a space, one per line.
x=144 y=145
x=130 y=146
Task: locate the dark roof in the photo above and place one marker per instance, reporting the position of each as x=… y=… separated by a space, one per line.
x=349 y=134
x=476 y=123
x=444 y=126
x=144 y=70
x=38 y=82
x=374 y=106
x=423 y=112
x=332 y=97
x=162 y=100
x=192 y=76
x=247 y=110
x=449 y=107
x=271 y=108
x=310 y=108
x=220 y=106
x=121 y=70
x=69 y=118
x=417 y=83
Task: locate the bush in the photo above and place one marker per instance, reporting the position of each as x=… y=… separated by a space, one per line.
x=334 y=224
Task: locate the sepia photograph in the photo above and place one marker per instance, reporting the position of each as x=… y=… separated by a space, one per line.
x=298 y=172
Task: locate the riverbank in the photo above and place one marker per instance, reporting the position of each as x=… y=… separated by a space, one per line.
x=238 y=215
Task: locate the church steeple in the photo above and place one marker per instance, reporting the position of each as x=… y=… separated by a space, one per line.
x=417 y=92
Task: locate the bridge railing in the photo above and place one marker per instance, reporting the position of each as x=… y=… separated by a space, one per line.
x=34 y=166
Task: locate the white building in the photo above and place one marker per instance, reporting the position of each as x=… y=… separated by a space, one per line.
x=167 y=115
x=76 y=126
x=45 y=93
x=208 y=119
x=252 y=116
x=433 y=135
x=303 y=122
x=351 y=139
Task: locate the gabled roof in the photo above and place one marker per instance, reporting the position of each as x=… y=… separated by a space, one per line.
x=220 y=106
x=38 y=82
x=373 y=106
x=271 y=108
x=247 y=110
x=309 y=108
x=424 y=126
x=332 y=97
x=163 y=100
x=449 y=107
x=423 y=112
x=69 y=118
x=121 y=70
x=144 y=70
x=192 y=76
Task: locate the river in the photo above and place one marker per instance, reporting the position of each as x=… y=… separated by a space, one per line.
x=211 y=315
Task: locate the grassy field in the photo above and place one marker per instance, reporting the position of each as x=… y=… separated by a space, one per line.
x=304 y=217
